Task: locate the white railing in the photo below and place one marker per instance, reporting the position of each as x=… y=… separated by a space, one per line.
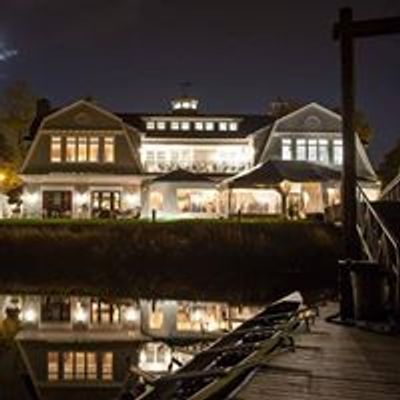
x=379 y=244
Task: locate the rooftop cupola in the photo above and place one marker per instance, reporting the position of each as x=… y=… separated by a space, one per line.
x=185 y=104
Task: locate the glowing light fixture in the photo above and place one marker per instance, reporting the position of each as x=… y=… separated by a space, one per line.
x=29 y=315
x=131 y=314
x=81 y=316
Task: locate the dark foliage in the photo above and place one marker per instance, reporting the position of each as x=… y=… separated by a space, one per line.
x=204 y=260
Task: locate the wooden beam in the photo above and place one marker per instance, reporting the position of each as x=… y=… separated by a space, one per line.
x=373 y=27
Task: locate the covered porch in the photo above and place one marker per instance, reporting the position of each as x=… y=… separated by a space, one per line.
x=180 y=194
x=293 y=189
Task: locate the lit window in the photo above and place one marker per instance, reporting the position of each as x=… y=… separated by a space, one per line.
x=80 y=365
x=156 y=319
x=233 y=126
x=82 y=149
x=338 y=151
x=94 y=149
x=68 y=361
x=323 y=151
x=223 y=126
x=161 y=160
x=186 y=105
x=55 y=308
x=104 y=313
x=150 y=125
x=107 y=366
x=55 y=150
x=185 y=126
x=161 y=125
x=301 y=151
x=52 y=366
x=199 y=126
x=156 y=201
x=312 y=150
x=287 y=149
x=70 y=155
x=209 y=126
x=91 y=366
x=109 y=149
x=150 y=161
x=175 y=126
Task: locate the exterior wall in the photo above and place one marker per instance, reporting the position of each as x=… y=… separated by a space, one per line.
x=313 y=122
x=168 y=191
x=217 y=157
x=81 y=196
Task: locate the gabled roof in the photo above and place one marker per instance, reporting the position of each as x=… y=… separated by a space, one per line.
x=181 y=175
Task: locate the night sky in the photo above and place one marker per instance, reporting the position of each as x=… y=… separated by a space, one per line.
x=131 y=55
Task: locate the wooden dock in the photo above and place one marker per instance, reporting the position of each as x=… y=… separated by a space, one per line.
x=332 y=362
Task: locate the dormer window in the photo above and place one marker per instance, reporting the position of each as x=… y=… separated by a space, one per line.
x=150 y=125
x=223 y=126
x=185 y=126
x=233 y=126
x=161 y=125
x=209 y=126
x=199 y=126
x=174 y=126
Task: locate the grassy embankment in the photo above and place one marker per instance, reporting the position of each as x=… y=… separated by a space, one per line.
x=251 y=261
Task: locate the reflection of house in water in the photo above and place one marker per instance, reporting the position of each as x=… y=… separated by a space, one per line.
x=86 y=344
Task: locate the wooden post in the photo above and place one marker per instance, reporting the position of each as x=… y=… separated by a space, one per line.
x=153 y=215
x=349 y=178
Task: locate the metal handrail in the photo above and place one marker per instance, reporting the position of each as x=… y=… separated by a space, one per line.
x=379 y=244
x=392 y=190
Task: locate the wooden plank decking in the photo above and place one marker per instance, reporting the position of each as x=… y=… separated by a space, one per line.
x=332 y=362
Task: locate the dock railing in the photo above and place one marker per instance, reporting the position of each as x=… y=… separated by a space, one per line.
x=379 y=244
x=392 y=190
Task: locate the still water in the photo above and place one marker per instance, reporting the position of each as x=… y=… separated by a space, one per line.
x=81 y=347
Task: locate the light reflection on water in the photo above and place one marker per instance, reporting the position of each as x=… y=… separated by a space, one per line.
x=77 y=340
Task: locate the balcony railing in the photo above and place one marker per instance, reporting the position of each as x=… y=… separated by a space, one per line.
x=379 y=244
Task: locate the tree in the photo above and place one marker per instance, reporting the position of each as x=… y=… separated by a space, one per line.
x=390 y=166
x=361 y=125
x=17 y=111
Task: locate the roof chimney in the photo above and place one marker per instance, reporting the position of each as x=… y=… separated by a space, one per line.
x=43 y=107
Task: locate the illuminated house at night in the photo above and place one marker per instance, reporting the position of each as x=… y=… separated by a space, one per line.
x=85 y=161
